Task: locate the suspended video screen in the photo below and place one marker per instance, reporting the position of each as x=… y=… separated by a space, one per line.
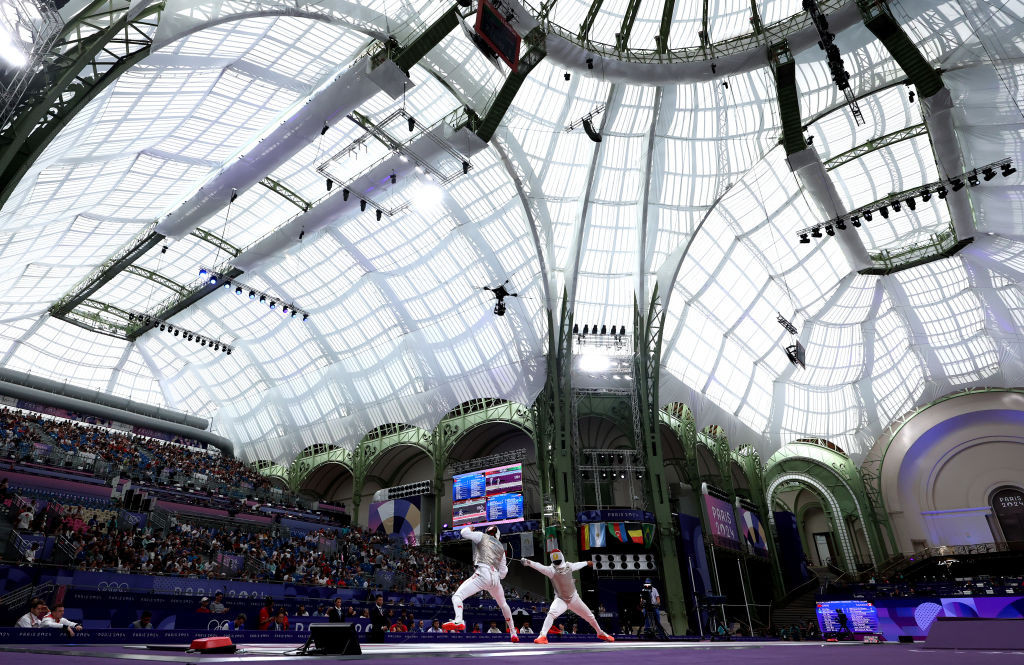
x=490 y=496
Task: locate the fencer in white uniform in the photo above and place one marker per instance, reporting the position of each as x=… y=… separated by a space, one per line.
x=491 y=569
x=560 y=573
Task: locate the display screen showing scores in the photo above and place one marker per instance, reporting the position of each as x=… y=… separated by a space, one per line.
x=490 y=496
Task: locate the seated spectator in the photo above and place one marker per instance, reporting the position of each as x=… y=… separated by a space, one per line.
x=145 y=622
x=301 y=612
x=494 y=628
x=217 y=606
x=525 y=628
x=32 y=553
x=55 y=619
x=435 y=627
x=280 y=621
x=37 y=609
x=321 y=611
x=204 y=606
x=239 y=622
x=399 y=627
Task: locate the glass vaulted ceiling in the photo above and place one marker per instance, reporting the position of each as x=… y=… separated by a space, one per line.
x=400 y=331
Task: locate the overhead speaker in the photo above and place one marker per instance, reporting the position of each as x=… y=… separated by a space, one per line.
x=624 y=562
x=335 y=638
x=588 y=127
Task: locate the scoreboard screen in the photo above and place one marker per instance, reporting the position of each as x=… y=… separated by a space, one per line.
x=490 y=496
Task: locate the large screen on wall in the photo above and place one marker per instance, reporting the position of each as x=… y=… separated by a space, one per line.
x=721 y=522
x=846 y=616
x=490 y=496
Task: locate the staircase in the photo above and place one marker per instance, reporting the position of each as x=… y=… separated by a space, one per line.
x=797 y=606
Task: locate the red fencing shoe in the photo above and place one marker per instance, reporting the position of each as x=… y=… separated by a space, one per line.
x=606 y=637
x=543 y=639
x=452 y=626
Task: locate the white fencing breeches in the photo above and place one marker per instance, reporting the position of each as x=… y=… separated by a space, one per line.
x=484 y=579
x=576 y=604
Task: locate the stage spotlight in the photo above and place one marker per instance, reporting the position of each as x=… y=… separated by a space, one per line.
x=841 y=225
x=586 y=329
x=973 y=180
x=926 y=195
x=131 y=317
x=604 y=330
x=344 y=195
x=379 y=214
x=330 y=184
x=238 y=290
x=622 y=330
x=202 y=272
x=1008 y=169
x=227 y=285
x=896 y=206
x=234 y=195
x=229 y=352
x=263 y=299
x=989 y=173
x=911 y=203
x=868 y=216
x=941 y=192
x=162 y=327
x=305 y=316
x=958 y=184
x=829 y=230
x=213 y=280
x=294 y=313
x=273 y=305
x=855 y=220
x=202 y=343
x=575 y=329
x=190 y=337
x=884 y=212
x=412 y=124
x=816 y=232
x=465 y=167
x=362 y=205
x=590 y=63
x=568 y=76
x=324 y=130
x=284 y=309
x=804 y=239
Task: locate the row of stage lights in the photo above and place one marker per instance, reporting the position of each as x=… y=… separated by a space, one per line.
x=186 y=335
x=909 y=199
x=214 y=278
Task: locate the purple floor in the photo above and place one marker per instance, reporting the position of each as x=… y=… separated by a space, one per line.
x=564 y=654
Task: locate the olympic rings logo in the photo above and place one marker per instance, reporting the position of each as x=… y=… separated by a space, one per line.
x=217 y=625
x=112 y=586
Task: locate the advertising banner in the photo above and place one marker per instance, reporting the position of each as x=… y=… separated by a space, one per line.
x=754 y=539
x=721 y=522
x=397 y=517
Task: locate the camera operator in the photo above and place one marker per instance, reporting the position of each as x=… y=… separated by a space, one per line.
x=650 y=603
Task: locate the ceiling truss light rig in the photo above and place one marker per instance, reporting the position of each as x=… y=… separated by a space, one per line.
x=908 y=198
x=826 y=42
x=143 y=322
x=274 y=302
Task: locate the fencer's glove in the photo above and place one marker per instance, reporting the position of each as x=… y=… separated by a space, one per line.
x=524 y=561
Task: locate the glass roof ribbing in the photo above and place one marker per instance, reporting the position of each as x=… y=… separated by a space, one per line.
x=400 y=330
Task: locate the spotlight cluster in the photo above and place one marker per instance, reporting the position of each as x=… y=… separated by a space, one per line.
x=604 y=332
x=214 y=278
x=145 y=321
x=908 y=199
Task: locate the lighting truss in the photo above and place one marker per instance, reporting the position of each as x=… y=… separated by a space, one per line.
x=139 y=323
x=790 y=328
x=498 y=459
x=826 y=42
x=571 y=127
x=436 y=174
x=274 y=302
x=938 y=189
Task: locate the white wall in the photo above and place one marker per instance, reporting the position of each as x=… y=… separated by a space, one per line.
x=942 y=466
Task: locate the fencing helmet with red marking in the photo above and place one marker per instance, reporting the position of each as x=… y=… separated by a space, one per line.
x=557 y=559
x=493 y=531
